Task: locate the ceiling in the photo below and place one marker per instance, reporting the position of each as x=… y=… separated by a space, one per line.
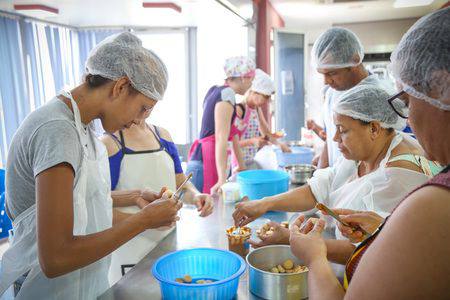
x=296 y=13
x=311 y=13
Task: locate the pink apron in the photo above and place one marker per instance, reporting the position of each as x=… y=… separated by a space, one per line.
x=208 y=144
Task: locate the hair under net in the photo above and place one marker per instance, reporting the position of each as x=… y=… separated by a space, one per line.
x=337 y=48
x=367 y=102
x=421 y=62
x=238 y=66
x=123 y=55
x=262 y=83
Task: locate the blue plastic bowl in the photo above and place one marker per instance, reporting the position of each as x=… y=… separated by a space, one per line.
x=299 y=155
x=257 y=184
x=221 y=266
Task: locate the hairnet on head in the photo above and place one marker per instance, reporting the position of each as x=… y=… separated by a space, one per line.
x=367 y=102
x=421 y=62
x=239 y=66
x=123 y=55
x=262 y=83
x=337 y=48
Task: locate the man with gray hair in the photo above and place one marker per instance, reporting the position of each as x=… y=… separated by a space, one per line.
x=338 y=55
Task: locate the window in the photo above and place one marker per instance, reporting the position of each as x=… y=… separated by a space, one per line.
x=172 y=112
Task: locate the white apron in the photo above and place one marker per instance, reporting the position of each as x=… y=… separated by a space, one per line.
x=139 y=170
x=92 y=211
x=380 y=191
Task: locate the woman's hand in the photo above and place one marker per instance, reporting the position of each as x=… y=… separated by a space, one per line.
x=161 y=212
x=306 y=239
x=215 y=190
x=367 y=220
x=148 y=196
x=279 y=236
x=285 y=148
x=204 y=203
x=248 y=211
x=259 y=142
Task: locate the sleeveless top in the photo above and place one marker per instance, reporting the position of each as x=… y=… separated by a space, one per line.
x=442 y=180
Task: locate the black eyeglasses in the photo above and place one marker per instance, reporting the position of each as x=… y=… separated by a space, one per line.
x=398 y=105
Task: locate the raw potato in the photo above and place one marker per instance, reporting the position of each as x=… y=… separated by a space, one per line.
x=288 y=267
x=274 y=270
x=179 y=280
x=168 y=193
x=187 y=278
x=281 y=269
x=200 y=281
x=288 y=264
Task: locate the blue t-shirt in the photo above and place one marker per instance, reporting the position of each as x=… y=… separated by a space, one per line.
x=116 y=159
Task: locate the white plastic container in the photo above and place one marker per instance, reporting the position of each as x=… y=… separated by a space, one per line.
x=230 y=192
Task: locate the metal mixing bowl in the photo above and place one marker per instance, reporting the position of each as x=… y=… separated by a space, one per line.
x=299 y=174
x=269 y=285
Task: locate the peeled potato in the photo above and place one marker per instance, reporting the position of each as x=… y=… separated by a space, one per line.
x=180 y=280
x=281 y=269
x=288 y=264
x=187 y=278
x=274 y=270
x=168 y=193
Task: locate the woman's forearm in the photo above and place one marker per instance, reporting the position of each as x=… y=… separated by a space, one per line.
x=221 y=159
x=119 y=216
x=299 y=199
x=125 y=198
x=80 y=251
x=322 y=282
x=339 y=251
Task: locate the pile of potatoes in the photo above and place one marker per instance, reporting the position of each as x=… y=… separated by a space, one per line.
x=288 y=266
x=188 y=279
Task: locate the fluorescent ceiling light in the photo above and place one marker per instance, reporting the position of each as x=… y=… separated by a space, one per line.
x=411 y=3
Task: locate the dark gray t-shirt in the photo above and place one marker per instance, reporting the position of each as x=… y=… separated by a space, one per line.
x=46 y=138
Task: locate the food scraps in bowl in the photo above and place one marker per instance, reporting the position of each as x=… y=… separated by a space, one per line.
x=189 y=280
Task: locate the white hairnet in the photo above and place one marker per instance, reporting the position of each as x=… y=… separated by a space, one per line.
x=367 y=102
x=123 y=55
x=262 y=83
x=238 y=66
x=337 y=48
x=421 y=62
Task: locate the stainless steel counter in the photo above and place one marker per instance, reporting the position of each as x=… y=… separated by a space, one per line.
x=191 y=232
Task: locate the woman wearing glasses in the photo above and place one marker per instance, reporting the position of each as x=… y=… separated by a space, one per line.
x=407 y=256
x=380 y=166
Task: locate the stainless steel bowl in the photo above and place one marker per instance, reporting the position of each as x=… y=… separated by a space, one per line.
x=299 y=174
x=269 y=285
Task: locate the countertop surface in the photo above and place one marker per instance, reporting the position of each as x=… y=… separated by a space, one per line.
x=192 y=232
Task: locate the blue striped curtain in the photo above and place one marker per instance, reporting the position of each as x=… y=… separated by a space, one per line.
x=37 y=60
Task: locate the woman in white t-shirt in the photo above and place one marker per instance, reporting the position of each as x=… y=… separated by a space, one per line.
x=58 y=185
